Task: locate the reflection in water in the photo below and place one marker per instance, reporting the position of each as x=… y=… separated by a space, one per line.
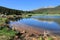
x=48 y=18
x=50 y=23
x=41 y=24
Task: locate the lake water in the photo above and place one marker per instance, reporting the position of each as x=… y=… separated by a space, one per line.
x=51 y=23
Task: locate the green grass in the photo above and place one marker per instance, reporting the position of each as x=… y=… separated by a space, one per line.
x=7 y=32
x=49 y=38
x=43 y=15
x=2 y=20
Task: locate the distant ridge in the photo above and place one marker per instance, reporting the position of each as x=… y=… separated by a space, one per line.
x=48 y=10
x=10 y=11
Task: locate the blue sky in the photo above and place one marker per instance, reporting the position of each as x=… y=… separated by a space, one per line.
x=28 y=4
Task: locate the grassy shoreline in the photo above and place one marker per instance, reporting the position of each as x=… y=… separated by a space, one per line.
x=44 y=14
x=5 y=31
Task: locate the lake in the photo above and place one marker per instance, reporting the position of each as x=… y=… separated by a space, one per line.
x=51 y=23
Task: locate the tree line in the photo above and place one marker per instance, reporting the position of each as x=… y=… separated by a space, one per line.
x=7 y=11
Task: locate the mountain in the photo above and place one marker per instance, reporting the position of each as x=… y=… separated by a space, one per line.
x=48 y=10
x=54 y=10
x=5 y=10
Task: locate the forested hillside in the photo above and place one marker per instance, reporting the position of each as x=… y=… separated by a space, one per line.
x=55 y=10
x=8 y=11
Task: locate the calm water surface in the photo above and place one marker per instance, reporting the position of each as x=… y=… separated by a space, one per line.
x=51 y=23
